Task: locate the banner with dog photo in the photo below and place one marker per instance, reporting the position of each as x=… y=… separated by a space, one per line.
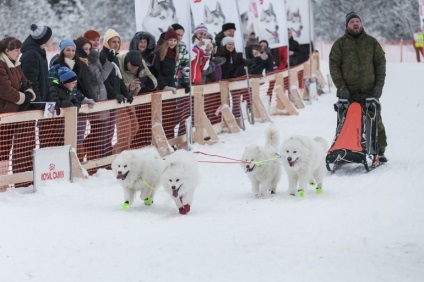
x=299 y=20
x=268 y=23
x=158 y=15
x=214 y=13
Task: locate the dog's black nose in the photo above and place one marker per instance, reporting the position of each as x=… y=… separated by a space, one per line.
x=173 y=187
x=119 y=172
x=289 y=159
x=247 y=166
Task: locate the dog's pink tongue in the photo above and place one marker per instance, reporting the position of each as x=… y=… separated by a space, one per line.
x=292 y=163
x=119 y=176
x=175 y=193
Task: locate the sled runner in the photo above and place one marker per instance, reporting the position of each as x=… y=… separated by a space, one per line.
x=356 y=139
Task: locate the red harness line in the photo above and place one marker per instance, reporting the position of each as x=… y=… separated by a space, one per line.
x=234 y=161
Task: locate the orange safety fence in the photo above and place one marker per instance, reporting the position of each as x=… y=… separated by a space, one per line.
x=99 y=134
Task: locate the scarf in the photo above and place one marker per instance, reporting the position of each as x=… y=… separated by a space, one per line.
x=170 y=54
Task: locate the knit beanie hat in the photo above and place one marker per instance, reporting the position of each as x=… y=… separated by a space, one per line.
x=200 y=28
x=227 y=40
x=170 y=33
x=66 y=75
x=134 y=58
x=65 y=43
x=350 y=16
x=228 y=26
x=92 y=34
x=176 y=26
x=40 y=33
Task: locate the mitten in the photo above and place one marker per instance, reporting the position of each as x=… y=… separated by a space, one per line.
x=169 y=88
x=88 y=101
x=344 y=93
x=130 y=98
x=111 y=55
x=377 y=91
x=120 y=98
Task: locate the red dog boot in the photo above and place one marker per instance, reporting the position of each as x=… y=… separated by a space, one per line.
x=187 y=208
x=182 y=210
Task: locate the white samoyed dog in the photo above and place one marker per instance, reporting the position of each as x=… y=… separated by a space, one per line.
x=138 y=171
x=180 y=178
x=304 y=161
x=263 y=166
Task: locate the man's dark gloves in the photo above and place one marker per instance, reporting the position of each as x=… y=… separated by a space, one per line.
x=130 y=98
x=120 y=98
x=111 y=55
x=186 y=88
x=57 y=108
x=377 y=91
x=344 y=93
x=27 y=101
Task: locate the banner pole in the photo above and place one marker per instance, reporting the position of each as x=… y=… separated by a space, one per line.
x=252 y=117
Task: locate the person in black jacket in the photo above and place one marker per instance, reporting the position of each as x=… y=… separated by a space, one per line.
x=228 y=30
x=294 y=50
x=234 y=61
x=35 y=67
x=115 y=86
x=166 y=61
x=261 y=60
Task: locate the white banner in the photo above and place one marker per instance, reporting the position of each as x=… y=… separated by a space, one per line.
x=270 y=24
x=214 y=13
x=51 y=164
x=155 y=16
x=298 y=20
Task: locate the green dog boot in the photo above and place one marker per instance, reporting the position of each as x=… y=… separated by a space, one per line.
x=301 y=193
x=125 y=206
x=148 y=201
x=312 y=183
x=319 y=190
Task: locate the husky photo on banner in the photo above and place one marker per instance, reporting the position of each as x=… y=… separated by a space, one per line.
x=214 y=13
x=155 y=16
x=269 y=23
x=298 y=20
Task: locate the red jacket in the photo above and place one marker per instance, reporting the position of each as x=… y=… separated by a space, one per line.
x=198 y=63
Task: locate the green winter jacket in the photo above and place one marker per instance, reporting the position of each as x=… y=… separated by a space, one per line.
x=357 y=63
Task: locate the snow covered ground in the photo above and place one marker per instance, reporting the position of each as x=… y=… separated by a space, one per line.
x=364 y=227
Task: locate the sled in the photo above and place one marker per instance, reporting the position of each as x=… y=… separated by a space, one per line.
x=356 y=139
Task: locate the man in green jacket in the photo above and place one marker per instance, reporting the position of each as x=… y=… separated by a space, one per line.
x=358 y=69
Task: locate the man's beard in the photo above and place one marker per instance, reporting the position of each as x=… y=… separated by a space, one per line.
x=355 y=32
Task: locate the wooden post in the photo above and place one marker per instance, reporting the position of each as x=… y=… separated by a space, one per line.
x=224 y=86
x=158 y=134
x=281 y=96
x=70 y=115
x=259 y=110
x=294 y=90
x=199 y=105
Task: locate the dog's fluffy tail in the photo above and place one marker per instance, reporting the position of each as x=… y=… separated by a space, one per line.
x=272 y=138
x=322 y=142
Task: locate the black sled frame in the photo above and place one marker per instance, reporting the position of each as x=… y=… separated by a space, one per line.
x=369 y=137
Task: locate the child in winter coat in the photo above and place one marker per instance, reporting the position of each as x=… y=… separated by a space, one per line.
x=61 y=92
